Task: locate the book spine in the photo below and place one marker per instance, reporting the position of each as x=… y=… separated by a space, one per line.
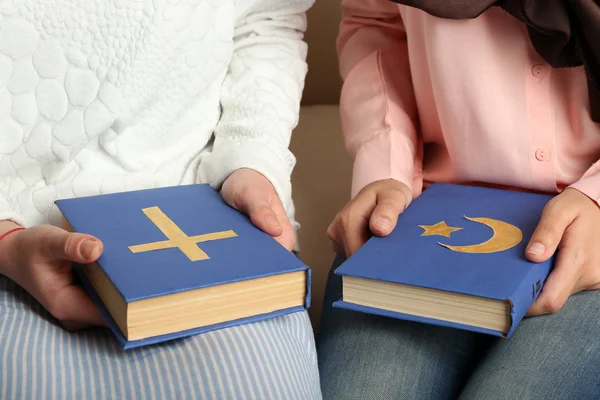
x=308 y=288
x=527 y=292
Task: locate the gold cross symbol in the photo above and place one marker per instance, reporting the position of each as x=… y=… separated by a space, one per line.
x=177 y=238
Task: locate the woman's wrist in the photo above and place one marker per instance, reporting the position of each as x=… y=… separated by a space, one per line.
x=7 y=230
x=7 y=225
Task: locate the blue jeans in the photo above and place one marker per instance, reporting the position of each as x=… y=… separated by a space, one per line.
x=366 y=357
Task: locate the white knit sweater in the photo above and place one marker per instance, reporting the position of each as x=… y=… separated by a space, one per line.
x=114 y=95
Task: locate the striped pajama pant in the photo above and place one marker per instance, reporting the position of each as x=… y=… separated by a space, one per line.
x=272 y=359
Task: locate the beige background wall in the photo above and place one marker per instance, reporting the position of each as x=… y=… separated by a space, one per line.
x=321 y=179
x=322 y=82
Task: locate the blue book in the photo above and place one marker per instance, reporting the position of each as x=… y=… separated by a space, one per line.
x=178 y=261
x=456 y=258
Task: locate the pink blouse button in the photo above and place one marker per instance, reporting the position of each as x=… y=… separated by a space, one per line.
x=537 y=70
x=542 y=154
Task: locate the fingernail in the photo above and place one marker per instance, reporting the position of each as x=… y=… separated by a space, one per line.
x=537 y=249
x=272 y=222
x=383 y=224
x=87 y=248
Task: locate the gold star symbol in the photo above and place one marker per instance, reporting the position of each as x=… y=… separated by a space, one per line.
x=438 y=229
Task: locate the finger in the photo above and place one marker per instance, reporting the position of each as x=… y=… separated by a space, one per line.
x=338 y=248
x=356 y=236
x=74 y=326
x=544 y=241
x=254 y=202
x=335 y=237
x=75 y=247
x=75 y=309
x=287 y=238
x=390 y=204
x=355 y=222
x=264 y=218
x=560 y=283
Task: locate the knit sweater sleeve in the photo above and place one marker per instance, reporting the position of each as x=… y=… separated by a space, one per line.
x=10 y=212
x=260 y=95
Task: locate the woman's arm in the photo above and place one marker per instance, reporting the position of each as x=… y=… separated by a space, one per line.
x=379 y=118
x=261 y=95
x=9 y=219
x=378 y=110
x=589 y=184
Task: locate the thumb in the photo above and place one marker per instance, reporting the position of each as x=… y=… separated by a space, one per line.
x=390 y=204
x=263 y=216
x=547 y=236
x=76 y=247
x=254 y=201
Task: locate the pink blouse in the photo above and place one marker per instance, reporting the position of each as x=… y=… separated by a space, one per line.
x=466 y=101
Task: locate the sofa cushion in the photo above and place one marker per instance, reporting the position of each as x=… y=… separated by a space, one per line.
x=320 y=187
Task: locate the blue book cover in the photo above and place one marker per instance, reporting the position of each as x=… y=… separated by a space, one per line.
x=174 y=240
x=457 y=239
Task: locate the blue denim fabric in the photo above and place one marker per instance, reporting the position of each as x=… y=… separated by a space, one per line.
x=549 y=357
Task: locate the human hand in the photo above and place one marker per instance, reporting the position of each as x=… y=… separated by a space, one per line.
x=39 y=259
x=250 y=192
x=375 y=209
x=569 y=222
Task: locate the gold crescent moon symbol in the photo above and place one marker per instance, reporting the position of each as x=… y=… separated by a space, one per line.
x=505 y=237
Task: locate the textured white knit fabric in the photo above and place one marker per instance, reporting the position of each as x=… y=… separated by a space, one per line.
x=113 y=95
